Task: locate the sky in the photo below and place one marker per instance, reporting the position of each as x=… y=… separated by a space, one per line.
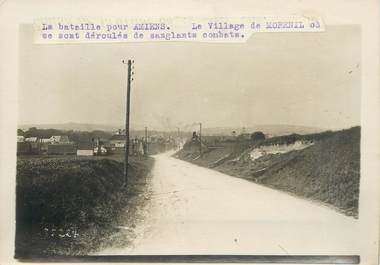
x=306 y=79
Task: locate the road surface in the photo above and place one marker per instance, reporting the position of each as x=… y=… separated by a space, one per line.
x=196 y=210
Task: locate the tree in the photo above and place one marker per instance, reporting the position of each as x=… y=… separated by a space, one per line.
x=20 y=132
x=257 y=136
x=195 y=136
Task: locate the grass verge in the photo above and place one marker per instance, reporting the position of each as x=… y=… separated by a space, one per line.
x=70 y=205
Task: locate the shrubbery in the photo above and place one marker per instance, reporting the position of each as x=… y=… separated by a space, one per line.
x=257 y=136
x=57 y=191
x=68 y=205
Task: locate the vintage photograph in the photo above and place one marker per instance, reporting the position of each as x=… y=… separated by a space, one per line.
x=190 y=148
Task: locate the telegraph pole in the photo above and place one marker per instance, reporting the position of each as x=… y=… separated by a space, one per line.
x=200 y=139
x=128 y=100
x=178 y=136
x=146 y=141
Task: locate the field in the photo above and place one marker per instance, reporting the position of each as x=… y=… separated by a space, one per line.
x=69 y=205
x=327 y=171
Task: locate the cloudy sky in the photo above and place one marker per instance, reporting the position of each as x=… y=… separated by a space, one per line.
x=309 y=79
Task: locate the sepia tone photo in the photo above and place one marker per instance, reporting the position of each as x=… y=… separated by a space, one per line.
x=190 y=148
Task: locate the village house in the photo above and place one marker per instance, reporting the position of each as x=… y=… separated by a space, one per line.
x=117 y=144
x=61 y=149
x=57 y=145
x=85 y=149
x=27 y=145
x=31 y=139
x=60 y=139
x=117 y=141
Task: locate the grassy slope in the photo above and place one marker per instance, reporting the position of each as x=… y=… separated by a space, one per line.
x=328 y=171
x=66 y=193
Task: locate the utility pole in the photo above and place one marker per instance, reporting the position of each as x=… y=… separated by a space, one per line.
x=128 y=100
x=178 y=136
x=146 y=141
x=98 y=146
x=200 y=139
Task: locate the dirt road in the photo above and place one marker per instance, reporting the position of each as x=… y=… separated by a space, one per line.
x=195 y=210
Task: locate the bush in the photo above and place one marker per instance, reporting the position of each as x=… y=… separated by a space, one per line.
x=257 y=136
x=59 y=191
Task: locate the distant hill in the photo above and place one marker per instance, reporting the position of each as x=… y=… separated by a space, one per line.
x=83 y=132
x=71 y=126
x=271 y=129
